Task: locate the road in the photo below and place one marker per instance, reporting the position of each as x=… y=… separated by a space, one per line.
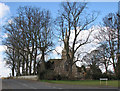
x=29 y=84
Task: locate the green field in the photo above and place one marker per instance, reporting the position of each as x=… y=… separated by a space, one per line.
x=112 y=83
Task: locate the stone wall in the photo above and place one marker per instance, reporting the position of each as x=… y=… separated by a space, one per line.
x=34 y=77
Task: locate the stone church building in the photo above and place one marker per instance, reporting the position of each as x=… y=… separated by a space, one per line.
x=59 y=67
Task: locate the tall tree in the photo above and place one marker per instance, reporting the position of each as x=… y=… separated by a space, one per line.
x=29 y=34
x=100 y=57
x=109 y=33
x=45 y=37
x=71 y=21
x=104 y=52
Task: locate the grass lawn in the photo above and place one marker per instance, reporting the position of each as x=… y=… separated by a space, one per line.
x=113 y=83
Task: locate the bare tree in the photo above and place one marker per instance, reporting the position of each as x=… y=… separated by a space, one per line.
x=109 y=33
x=100 y=56
x=93 y=57
x=30 y=34
x=71 y=21
x=104 y=52
x=10 y=60
x=45 y=36
x=13 y=45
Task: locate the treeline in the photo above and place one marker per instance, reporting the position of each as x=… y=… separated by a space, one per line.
x=108 y=53
x=29 y=35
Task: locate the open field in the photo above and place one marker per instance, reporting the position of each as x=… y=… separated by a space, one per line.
x=112 y=83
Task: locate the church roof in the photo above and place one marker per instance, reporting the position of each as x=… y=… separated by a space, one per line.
x=51 y=60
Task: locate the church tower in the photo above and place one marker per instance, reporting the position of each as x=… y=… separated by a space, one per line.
x=64 y=57
x=64 y=51
x=65 y=69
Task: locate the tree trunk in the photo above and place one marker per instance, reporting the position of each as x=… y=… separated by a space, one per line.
x=105 y=64
x=30 y=66
x=106 y=69
x=27 y=65
x=70 y=76
x=18 y=67
x=114 y=66
x=118 y=67
x=34 y=69
x=43 y=61
x=23 y=66
x=13 y=70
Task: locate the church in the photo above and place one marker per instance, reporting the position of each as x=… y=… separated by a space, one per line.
x=59 y=67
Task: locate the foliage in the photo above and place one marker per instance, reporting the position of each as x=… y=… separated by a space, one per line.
x=94 y=72
x=109 y=76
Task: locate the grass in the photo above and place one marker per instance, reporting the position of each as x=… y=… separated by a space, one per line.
x=113 y=83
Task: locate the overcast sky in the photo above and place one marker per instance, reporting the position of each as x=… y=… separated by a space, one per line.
x=9 y=9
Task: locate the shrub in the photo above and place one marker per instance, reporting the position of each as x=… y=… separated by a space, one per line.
x=109 y=76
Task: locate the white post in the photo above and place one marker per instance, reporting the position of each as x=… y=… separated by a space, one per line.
x=103 y=79
x=106 y=82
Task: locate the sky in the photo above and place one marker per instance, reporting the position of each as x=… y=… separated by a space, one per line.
x=9 y=9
